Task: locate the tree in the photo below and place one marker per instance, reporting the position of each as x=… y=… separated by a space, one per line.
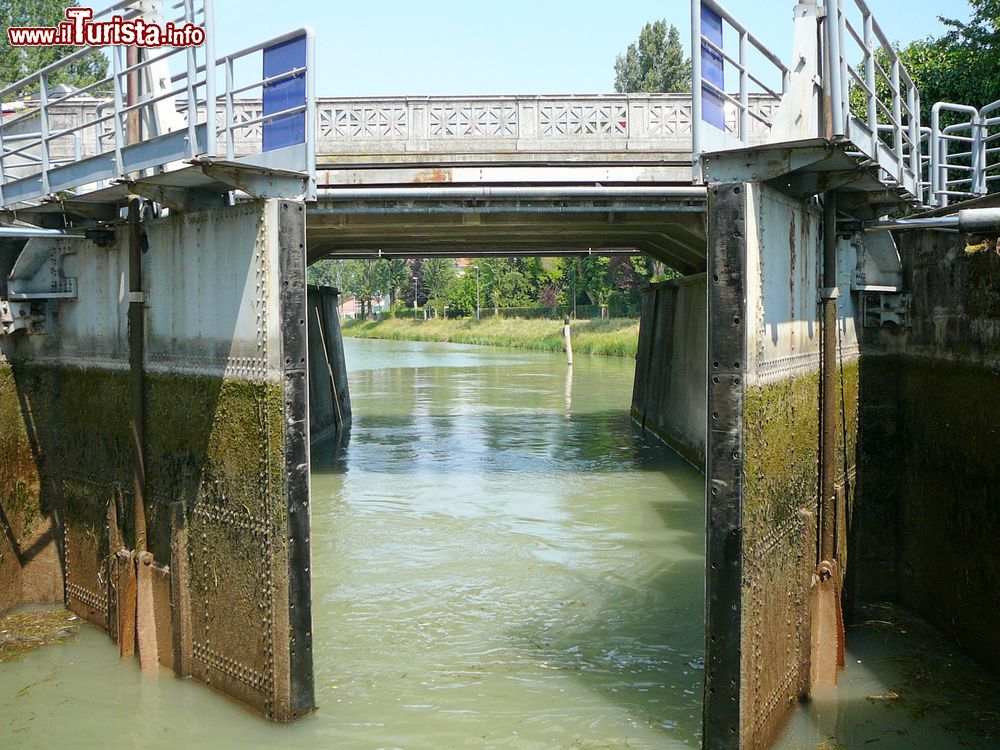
x=973 y=48
x=438 y=275
x=462 y=294
x=327 y=273
x=400 y=276
x=959 y=66
x=502 y=283
x=415 y=287
x=366 y=280
x=18 y=62
x=654 y=63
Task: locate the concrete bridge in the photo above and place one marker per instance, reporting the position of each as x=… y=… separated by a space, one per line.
x=165 y=366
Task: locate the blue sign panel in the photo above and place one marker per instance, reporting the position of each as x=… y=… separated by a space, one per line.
x=287 y=130
x=713 y=70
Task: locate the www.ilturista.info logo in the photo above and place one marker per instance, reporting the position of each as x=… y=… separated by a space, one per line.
x=78 y=30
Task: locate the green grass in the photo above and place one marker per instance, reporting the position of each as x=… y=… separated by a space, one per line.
x=614 y=338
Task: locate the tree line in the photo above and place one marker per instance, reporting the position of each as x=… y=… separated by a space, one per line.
x=490 y=283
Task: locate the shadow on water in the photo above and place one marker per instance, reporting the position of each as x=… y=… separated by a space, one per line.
x=642 y=647
x=906 y=685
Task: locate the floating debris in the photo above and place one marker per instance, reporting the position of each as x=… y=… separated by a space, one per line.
x=888 y=695
x=25 y=631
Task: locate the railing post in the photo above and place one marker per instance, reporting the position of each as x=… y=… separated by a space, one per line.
x=310 y=113
x=192 y=77
x=897 y=120
x=978 y=160
x=116 y=95
x=230 y=117
x=3 y=158
x=744 y=92
x=834 y=92
x=696 y=91
x=43 y=122
x=211 y=131
x=935 y=146
x=913 y=103
x=845 y=76
x=870 y=81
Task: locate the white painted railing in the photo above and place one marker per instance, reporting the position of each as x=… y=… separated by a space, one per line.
x=965 y=153
x=654 y=123
x=403 y=129
x=875 y=102
x=869 y=98
x=53 y=141
x=32 y=168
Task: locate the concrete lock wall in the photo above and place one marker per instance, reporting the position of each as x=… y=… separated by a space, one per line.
x=226 y=451
x=762 y=454
x=329 y=396
x=925 y=528
x=668 y=397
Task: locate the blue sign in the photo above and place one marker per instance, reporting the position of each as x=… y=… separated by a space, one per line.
x=713 y=70
x=287 y=130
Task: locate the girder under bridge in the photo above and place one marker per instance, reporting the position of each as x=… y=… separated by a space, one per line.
x=667 y=222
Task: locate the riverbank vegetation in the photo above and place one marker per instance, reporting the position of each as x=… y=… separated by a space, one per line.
x=616 y=337
x=457 y=288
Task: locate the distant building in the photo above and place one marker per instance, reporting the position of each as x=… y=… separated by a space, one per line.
x=350 y=307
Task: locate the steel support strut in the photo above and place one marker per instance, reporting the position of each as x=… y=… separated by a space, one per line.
x=141 y=559
x=827 y=615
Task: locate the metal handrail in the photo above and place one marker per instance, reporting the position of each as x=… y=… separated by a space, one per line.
x=944 y=186
x=38 y=83
x=885 y=128
x=308 y=72
x=889 y=123
x=740 y=101
x=28 y=170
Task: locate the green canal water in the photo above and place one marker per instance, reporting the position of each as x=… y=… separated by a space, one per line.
x=500 y=560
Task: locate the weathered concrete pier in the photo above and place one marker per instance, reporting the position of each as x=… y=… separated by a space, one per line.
x=165 y=367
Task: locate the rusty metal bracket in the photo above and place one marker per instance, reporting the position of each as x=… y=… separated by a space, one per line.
x=258 y=182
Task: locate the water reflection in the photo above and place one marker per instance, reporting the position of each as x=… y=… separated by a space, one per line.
x=546 y=556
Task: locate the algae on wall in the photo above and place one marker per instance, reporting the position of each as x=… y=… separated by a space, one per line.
x=780 y=465
x=780 y=485
x=225 y=452
x=29 y=564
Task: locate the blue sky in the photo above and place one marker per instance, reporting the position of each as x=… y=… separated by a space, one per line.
x=416 y=47
x=511 y=46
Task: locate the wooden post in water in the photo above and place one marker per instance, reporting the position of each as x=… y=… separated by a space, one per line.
x=569 y=342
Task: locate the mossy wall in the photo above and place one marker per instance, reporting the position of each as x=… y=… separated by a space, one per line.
x=216 y=448
x=763 y=472
x=781 y=470
x=226 y=448
x=226 y=467
x=29 y=559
